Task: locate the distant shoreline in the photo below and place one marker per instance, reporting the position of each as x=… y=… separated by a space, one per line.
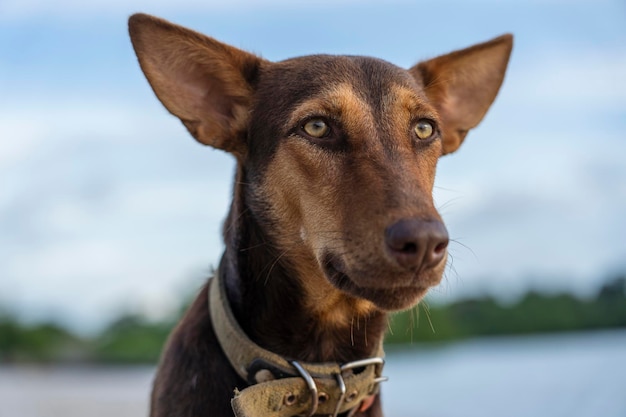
x=484 y=374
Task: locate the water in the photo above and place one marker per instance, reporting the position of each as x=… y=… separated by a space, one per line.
x=74 y=392
x=575 y=375
x=580 y=375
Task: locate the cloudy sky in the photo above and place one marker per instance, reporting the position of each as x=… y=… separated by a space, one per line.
x=106 y=203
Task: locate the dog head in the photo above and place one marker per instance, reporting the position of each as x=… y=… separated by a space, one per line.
x=338 y=153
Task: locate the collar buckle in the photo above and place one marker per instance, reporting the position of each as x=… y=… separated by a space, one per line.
x=310 y=382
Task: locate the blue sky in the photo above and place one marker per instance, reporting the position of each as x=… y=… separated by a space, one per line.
x=106 y=203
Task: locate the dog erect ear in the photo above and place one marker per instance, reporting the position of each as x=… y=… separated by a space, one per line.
x=463 y=84
x=205 y=83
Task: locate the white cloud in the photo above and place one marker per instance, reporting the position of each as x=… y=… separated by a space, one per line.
x=19 y=138
x=547 y=205
x=570 y=77
x=162 y=200
x=31 y=123
x=90 y=279
x=104 y=206
x=131 y=251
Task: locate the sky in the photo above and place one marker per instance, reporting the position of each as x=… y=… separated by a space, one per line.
x=108 y=205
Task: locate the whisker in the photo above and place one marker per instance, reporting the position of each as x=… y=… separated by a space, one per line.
x=458 y=242
x=445 y=205
x=453 y=190
x=236 y=220
x=258 y=245
x=352 y=330
x=389 y=327
x=450 y=265
x=427 y=312
x=415 y=319
x=365 y=331
x=267 y=277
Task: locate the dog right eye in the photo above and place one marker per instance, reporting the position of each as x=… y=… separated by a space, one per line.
x=424 y=129
x=317 y=128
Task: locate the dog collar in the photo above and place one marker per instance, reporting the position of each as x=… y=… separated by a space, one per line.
x=282 y=388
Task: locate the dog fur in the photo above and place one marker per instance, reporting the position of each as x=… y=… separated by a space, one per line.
x=325 y=234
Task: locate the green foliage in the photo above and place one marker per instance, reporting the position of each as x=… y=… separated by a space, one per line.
x=45 y=342
x=134 y=339
x=534 y=313
x=131 y=339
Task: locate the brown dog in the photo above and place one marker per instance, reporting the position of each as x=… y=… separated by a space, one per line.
x=332 y=223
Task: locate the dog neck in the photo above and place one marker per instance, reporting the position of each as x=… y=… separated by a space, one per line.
x=269 y=299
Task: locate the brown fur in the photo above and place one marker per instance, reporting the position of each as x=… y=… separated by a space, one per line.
x=309 y=267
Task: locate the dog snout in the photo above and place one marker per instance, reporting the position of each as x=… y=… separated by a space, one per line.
x=417 y=244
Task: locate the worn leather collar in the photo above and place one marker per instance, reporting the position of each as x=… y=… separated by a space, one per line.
x=282 y=388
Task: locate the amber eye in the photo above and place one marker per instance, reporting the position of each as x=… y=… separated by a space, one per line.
x=317 y=128
x=424 y=129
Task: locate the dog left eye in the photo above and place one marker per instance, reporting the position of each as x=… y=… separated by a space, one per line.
x=424 y=129
x=317 y=128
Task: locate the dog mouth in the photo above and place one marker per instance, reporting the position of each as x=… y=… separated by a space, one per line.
x=388 y=297
x=333 y=268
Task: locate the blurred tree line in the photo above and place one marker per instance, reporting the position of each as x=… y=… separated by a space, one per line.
x=134 y=339
x=533 y=313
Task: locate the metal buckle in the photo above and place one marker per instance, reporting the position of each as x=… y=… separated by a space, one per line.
x=311 y=384
x=342 y=388
x=366 y=362
x=362 y=362
x=357 y=364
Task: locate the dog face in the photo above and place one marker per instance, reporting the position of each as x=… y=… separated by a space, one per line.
x=339 y=160
x=338 y=153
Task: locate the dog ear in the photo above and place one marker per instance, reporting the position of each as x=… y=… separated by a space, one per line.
x=205 y=83
x=463 y=84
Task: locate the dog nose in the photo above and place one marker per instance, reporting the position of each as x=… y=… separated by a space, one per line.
x=416 y=243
